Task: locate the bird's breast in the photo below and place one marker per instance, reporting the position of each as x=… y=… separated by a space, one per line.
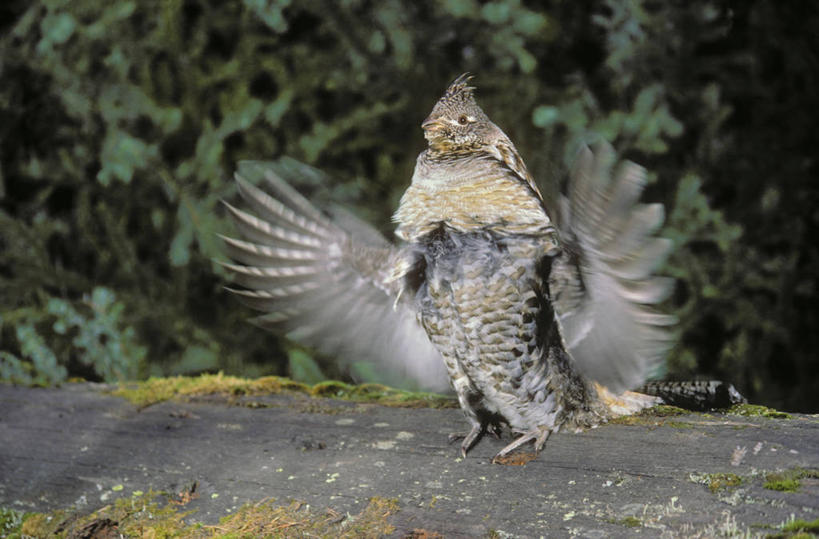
x=468 y=195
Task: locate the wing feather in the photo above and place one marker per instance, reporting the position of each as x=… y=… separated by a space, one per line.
x=603 y=285
x=330 y=285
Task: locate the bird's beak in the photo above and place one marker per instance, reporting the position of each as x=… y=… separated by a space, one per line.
x=430 y=122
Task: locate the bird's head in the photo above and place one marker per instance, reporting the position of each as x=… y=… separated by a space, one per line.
x=457 y=124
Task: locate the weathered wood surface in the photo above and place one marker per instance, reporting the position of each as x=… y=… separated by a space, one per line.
x=72 y=446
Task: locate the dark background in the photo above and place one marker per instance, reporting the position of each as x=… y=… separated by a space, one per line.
x=120 y=127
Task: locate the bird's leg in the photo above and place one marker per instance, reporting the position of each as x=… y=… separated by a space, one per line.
x=469 y=438
x=478 y=429
x=538 y=435
x=495 y=430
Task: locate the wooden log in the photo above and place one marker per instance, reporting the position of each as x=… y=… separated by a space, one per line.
x=78 y=448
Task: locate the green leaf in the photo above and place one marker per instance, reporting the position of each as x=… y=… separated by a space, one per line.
x=180 y=251
x=303 y=368
x=57 y=28
x=196 y=359
x=122 y=154
x=545 y=116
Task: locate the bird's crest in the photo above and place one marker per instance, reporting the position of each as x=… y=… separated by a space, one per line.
x=460 y=89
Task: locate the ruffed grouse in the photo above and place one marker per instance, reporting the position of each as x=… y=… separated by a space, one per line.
x=538 y=324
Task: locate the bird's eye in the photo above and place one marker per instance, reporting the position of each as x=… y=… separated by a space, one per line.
x=463 y=120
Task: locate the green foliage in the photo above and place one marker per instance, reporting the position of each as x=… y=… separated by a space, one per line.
x=303 y=367
x=121 y=123
x=801 y=526
x=677 y=85
x=788 y=480
x=93 y=339
x=10 y=522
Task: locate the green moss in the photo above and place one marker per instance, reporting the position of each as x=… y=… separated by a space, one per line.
x=774 y=482
x=136 y=514
x=755 y=410
x=156 y=390
x=722 y=481
x=128 y=517
x=789 y=480
x=797 y=529
x=654 y=417
x=631 y=522
x=679 y=424
x=719 y=481
x=664 y=410
x=142 y=515
x=42 y=525
x=802 y=526
x=10 y=522
x=267 y=519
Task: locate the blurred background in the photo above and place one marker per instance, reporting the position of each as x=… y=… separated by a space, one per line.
x=121 y=123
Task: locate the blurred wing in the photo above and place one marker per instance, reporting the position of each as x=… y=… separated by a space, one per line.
x=328 y=286
x=603 y=285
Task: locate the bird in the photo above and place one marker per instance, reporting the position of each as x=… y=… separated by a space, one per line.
x=539 y=318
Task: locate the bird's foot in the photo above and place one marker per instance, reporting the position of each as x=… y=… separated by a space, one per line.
x=469 y=438
x=538 y=435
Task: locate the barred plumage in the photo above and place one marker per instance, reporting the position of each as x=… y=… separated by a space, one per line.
x=537 y=317
x=702 y=395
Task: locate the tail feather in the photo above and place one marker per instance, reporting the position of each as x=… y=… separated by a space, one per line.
x=700 y=395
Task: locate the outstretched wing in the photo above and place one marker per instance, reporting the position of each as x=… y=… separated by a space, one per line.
x=325 y=283
x=603 y=285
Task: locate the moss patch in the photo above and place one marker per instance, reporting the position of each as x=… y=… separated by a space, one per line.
x=755 y=410
x=797 y=529
x=630 y=522
x=789 y=480
x=717 y=482
x=654 y=417
x=156 y=390
x=266 y=519
x=41 y=525
x=142 y=516
x=802 y=526
x=10 y=522
x=129 y=517
x=664 y=410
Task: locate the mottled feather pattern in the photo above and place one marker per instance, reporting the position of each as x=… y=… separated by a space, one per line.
x=505 y=152
x=451 y=192
x=481 y=302
x=539 y=319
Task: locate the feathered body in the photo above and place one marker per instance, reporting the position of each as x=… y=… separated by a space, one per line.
x=481 y=302
x=535 y=324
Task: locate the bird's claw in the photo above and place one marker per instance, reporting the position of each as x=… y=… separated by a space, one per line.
x=538 y=436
